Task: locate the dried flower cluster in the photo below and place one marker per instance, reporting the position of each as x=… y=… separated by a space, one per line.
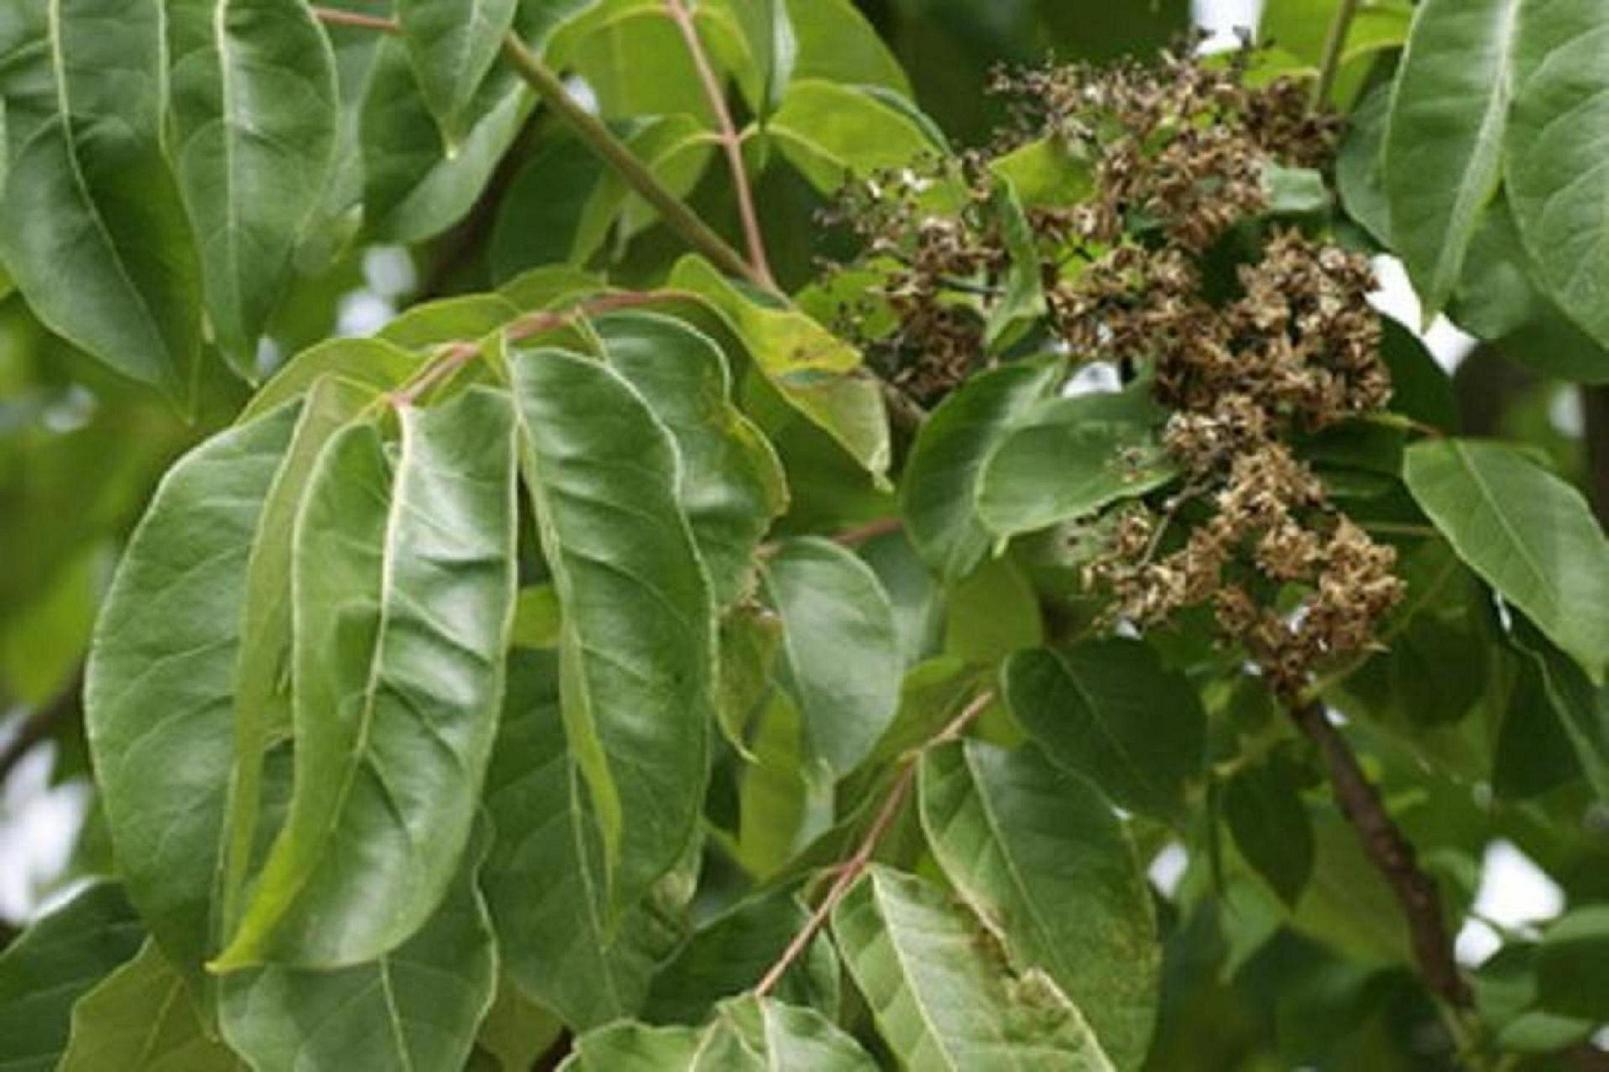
x=1177 y=153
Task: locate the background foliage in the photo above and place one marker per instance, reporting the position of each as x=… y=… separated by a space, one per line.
x=706 y=700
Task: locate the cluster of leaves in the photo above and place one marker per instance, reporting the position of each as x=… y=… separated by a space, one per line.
x=588 y=666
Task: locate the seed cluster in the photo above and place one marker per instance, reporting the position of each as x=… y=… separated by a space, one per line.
x=1294 y=349
x=1177 y=152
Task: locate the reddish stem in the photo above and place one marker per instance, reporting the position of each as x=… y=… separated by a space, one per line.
x=731 y=142
x=852 y=868
x=334 y=16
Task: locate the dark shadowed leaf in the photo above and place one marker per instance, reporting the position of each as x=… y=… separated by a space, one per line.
x=1263 y=805
x=732 y=952
x=52 y=964
x=545 y=877
x=142 y=1018
x=1110 y=711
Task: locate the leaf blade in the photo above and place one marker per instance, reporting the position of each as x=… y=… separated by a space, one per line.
x=1527 y=533
x=402 y=573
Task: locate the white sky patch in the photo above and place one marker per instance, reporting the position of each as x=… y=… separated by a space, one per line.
x=389 y=271
x=1222 y=18
x=39 y=824
x=1167 y=870
x=1514 y=894
x=1396 y=299
x=363 y=312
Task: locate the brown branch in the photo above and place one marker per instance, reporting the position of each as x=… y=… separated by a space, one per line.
x=731 y=142
x=852 y=868
x=42 y=723
x=1392 y=854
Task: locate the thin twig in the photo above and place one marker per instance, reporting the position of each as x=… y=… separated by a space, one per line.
x=618 y=155
x=731 y=142
x=851 y=869
x=332 y=16
x=860 y=534
x=1334 y=45
x=452 y=356
x=599 y=138
x=1392 y=855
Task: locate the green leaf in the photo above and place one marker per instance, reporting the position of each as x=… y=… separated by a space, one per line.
x=747 y=1035
x=1499 y=300
x=545 y=877
x=815 y=372
x=781 y=807
x=161 y=679
x=940 y=998
x=255 y=114
x=833 y=132
x=379 y=365
x=939 y=489
x=731 y=485
x=92 y=228
x=1041 y=857
x=265 y=631
x=1045 y=173
x=453 y=44
x=404 y=593
x=992 y=614
x=1263 y=805
x=1527 y=533
x=1066 y=458
x=432 y=323
x=732 y=952
x=840 y=646
x=538 y=621
x=61 y=957
x=638 y=645
x=1024 y=297
x=750 y=637
x=1557 y=138
x=773 y=49
x=416 y=1007
x=1110 y=711
x=516 y=1030
x=412 y=188
x=142 y=1019
x=1582 y=710
x=836 y=43
x=1359 y=168
x=1444 y=137
x=1572 y=963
